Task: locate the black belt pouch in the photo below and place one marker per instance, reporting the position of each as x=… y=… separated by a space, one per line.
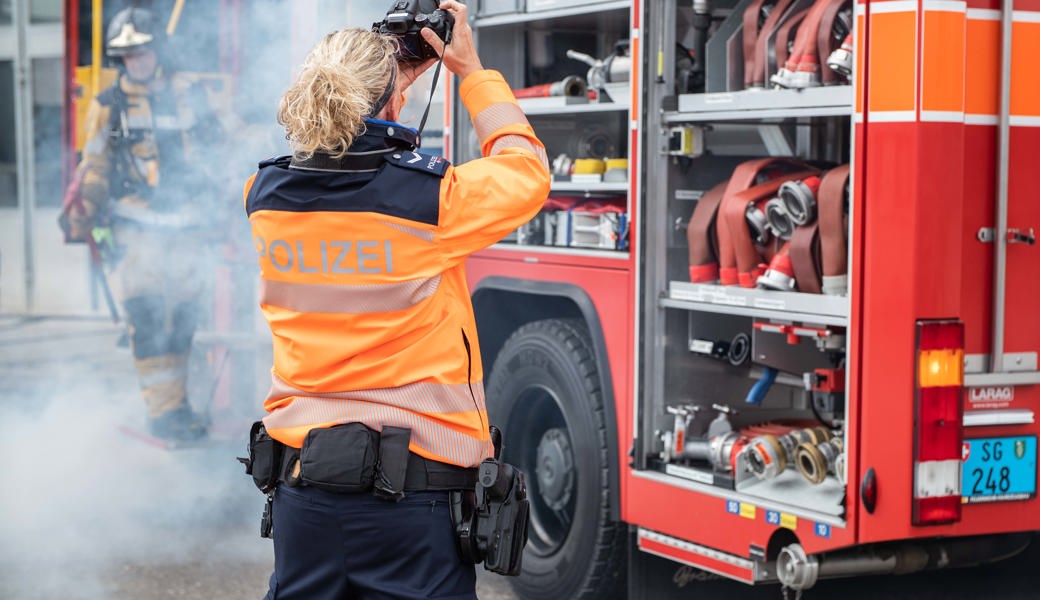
x=265 y=458
x=340 y=459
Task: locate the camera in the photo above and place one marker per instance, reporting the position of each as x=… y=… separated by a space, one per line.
x=406 y=18
x=491 y=521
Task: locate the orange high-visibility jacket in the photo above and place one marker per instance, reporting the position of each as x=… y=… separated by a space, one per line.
x=362 y=276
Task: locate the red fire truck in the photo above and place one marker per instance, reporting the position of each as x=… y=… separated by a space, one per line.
x=776 y=321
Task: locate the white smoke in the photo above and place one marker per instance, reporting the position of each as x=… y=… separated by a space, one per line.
x=88 y=509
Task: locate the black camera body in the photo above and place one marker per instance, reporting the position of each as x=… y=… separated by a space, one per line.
x=406 y=18
x=491 y=522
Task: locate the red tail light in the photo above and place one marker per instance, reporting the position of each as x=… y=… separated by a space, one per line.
x=938 y=415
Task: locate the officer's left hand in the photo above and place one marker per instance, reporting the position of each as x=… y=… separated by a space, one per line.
x=408 y=72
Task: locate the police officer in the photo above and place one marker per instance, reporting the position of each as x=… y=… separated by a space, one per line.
x=361 y=243
x=143 y=193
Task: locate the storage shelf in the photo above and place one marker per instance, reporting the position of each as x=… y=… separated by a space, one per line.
x=567 y=105
x=787 y=493
x=558 y=13
x=570 y=186
x=763 y=104
x=767 y=304
x=563 y=250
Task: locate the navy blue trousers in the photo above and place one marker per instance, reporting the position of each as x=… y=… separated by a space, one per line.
x=345 y=546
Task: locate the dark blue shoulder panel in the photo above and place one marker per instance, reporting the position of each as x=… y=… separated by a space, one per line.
x=395 y=191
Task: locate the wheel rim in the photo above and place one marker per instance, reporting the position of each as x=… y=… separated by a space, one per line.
x=539 y=443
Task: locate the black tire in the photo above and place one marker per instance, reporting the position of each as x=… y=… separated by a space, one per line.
x=544 y=393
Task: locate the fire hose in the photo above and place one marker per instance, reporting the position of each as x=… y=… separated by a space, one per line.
x=733 y=220
x=756 y=35
x=710 y=249
x=815 y=259
x=805 y=256
x=785 y=36
x=702 y=236
x=572 y=85
x=805 y=210
x=826 y=42
x=730 y=227
x=840 y=61
x=833 y=236
x=805 y=65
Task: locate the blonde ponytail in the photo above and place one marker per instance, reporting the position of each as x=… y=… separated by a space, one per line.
x=339 y=82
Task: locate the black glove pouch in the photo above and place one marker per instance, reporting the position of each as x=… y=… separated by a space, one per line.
x=265 y=458
x=340 y=459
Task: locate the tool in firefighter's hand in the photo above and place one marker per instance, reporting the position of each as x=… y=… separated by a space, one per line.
x=73 y=221
x=406 y=18
x=491 y=520
x=571 y=86
x=609 y=75
x=106 y=244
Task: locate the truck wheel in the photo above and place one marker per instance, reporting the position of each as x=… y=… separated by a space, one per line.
x=544 y=393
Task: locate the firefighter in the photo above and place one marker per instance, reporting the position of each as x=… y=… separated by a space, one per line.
x=144 y=191
x=361 y=242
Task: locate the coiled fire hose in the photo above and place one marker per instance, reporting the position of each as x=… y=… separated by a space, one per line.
x=746 y=257
x=756 y=38
x=833 y=231
x=805 y=65
x=702 y=236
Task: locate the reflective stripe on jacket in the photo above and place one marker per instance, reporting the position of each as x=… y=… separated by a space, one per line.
x=363 y=282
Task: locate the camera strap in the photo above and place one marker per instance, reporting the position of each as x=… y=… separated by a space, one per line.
x=433 y=90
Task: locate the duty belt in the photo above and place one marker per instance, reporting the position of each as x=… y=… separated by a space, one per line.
x=422 y=474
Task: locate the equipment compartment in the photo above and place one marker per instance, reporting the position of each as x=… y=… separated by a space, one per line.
x=569 y=64
x=747 y=393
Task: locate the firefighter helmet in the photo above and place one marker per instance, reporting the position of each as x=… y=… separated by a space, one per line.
x=132 y=29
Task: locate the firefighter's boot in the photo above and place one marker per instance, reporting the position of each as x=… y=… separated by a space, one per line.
x=181 y=424
x=163 y=385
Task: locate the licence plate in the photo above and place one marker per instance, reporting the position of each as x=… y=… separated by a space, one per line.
x=998 y=469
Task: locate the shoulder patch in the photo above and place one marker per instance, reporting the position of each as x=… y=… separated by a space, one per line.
x=416 y=161
x=277 y=161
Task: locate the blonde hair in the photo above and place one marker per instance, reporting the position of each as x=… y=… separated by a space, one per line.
x=342 y=77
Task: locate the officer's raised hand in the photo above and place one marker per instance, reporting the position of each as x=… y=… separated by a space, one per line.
x=460 y=56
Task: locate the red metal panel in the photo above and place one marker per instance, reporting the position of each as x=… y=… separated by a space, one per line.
x=704 y=519
x=1022 y=318
x=609 y=283
x=921 y=259
x=887 y=351
x=1022 y=333
x=697 y=560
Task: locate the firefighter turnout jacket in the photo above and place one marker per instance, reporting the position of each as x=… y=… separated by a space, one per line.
x=362 y=277
x=144 y=149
